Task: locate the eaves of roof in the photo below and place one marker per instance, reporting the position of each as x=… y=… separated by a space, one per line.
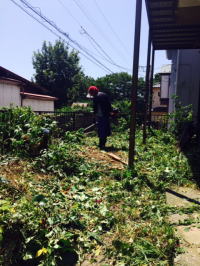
x=38 y=96
x=28 y=85
x=174 y=24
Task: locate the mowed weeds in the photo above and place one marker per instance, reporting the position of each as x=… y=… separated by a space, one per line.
x=64 y=207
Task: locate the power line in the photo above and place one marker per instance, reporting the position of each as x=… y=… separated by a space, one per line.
x=54 y=33
x=94 y=23
x=94 y=46
x=99 y=46
x=52 y=24
x=83 y=29
x=93 y=42
x=90 y=19
x=69 y=12
x=110 y=26
x=57 y=35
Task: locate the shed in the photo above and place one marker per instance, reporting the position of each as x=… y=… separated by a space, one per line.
x=17 y=91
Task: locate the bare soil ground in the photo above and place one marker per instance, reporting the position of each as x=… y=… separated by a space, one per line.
x=103 y=158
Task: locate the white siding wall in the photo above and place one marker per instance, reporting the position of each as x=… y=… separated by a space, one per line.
x=39 y=105
x=9 y=95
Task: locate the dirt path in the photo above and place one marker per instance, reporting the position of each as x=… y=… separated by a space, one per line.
x=187 y=225
x=103 y=158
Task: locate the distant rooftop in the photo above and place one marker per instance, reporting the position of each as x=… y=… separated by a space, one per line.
x=166 y=68
x=157 y=85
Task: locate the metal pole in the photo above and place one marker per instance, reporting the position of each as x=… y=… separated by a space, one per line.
x=147 y=81
x=198 y=118
x=134 y=82
x=151 y=84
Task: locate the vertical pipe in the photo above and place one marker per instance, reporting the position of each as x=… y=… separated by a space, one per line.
x=198 y=118
x=151 y=84
x=147 y=81
x=135 y=82
x=74 y=121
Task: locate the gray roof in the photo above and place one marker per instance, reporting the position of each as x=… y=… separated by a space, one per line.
x=166 y=68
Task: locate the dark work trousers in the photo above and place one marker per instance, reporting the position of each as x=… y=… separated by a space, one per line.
x=103 y=126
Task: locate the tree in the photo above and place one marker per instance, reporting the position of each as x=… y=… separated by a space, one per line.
x=116 y=85
x=157 y=78
x=56 y=69
x=79 y=91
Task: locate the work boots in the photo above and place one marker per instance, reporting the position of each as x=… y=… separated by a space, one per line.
x=102 y=143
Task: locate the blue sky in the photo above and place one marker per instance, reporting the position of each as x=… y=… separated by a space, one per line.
x=109 y=22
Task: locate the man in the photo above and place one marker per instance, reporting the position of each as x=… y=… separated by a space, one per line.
x=102 y=110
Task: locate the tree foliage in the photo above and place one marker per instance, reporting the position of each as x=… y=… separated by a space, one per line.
x=56 y=69
x=157 y=78
x=79 y=91
x=116 y=85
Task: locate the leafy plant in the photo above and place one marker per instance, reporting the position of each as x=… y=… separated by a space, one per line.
x=23 y=132
x=60 y=159
x=180 y=117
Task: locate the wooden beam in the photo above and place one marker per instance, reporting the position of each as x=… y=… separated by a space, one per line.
x=176 y=46
x=188 y=3
x=173 y=26
x=165 y=35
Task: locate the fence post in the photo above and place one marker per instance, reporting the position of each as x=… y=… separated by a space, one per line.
x=74 y=121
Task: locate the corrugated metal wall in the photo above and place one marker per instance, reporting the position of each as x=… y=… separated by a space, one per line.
x=39 y=105
x=185 y=78
x=9 y=95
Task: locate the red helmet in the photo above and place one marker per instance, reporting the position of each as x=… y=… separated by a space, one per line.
x=93 y=88
x=91 y=91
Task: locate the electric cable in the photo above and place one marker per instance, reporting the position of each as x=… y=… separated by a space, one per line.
x=110 y=26
x=84 y=31
x=110 y=59
x=66 y=35
x=95 y=44
x=57 y=35
x=89 y=17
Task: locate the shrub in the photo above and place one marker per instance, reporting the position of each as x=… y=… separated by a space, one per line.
x=23 y=132
x=179 y=118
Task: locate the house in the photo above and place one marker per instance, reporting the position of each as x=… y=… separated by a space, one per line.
x=165 y=73
x=185 y=79
x=157 y=104
x=160 y=96
x=18 y=91
x=81 y=105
